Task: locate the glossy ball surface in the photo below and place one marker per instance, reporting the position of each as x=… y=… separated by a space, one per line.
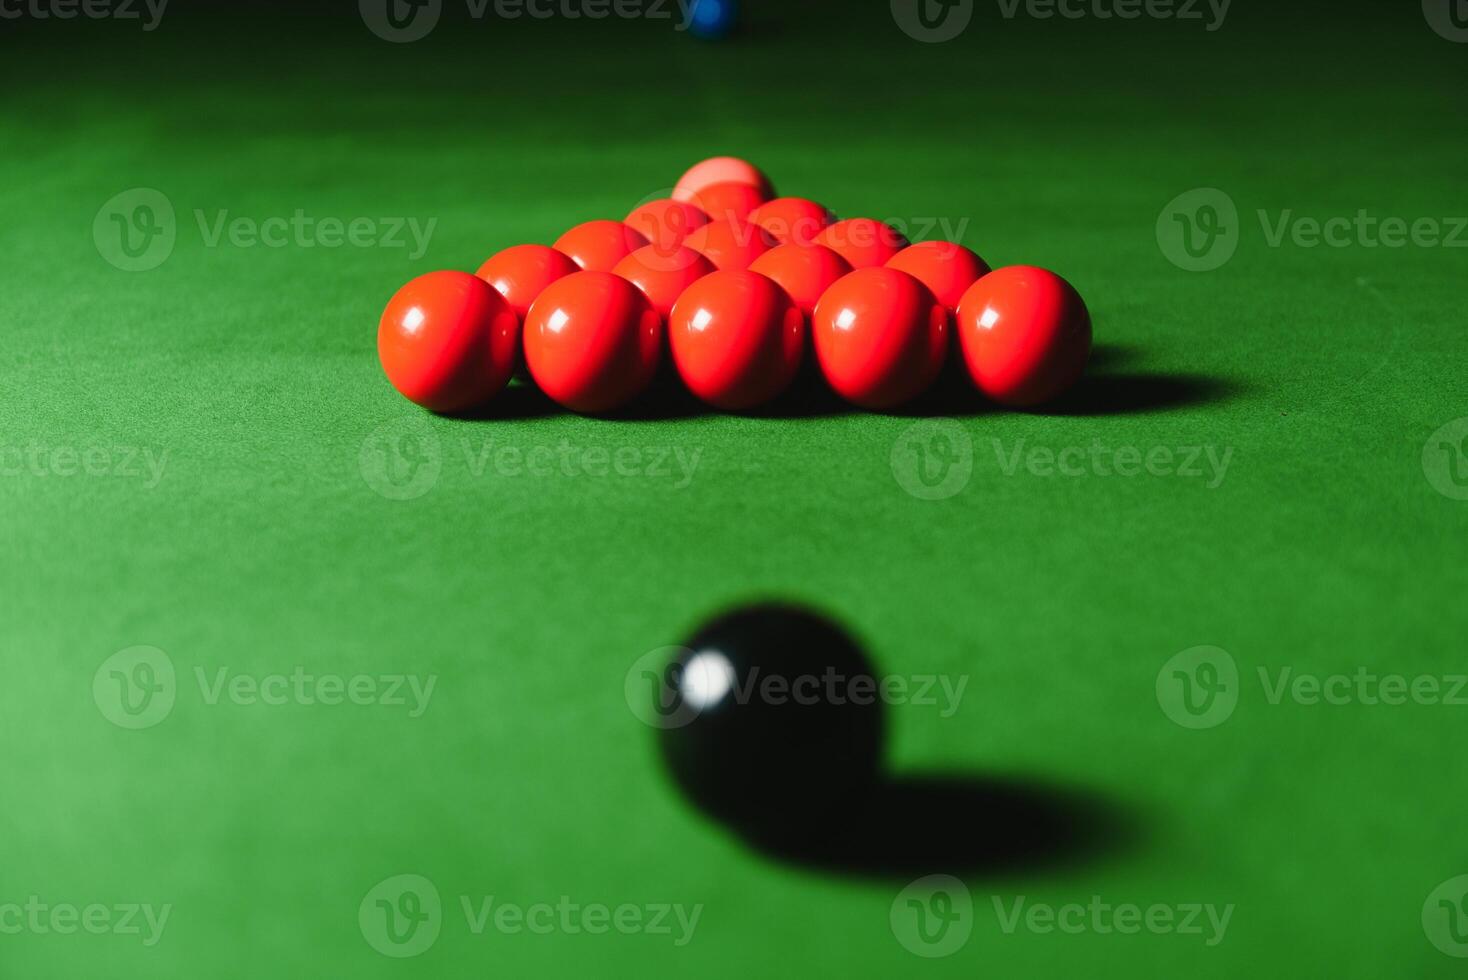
x=1025 y=334
x=944 y=267
x=597 y=246
x=730 y=244
x=712 y=19
x=863 y=242
x=663 y=275
x=803 y=271
x=792 y=220
x=772 y=722
x=448 y=341
x=736 y=339
x=880 y=336
x=592 y=341
x=666 y=222
x=729 y=201
x=717 y=170
x=522 y=272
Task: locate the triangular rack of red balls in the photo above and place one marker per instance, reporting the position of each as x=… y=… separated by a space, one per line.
x=735 y=285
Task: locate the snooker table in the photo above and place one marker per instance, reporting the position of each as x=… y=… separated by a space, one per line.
x=1176 y=614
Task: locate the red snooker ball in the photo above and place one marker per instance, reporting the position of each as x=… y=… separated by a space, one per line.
x=803 y=271
x=945 y=268
x=663 y=276
x=522 y=272
x=448 y=341
x=729 y=201
x=880 y=336
x=863 y=242
x=1025 y=334
x=718 y=170
x=592 y=341
x=666 y=222
x=597 y=246
x=730 y=244
x=737 y=339
x=792 y=220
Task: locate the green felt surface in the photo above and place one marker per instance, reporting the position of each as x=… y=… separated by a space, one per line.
x=267 y=539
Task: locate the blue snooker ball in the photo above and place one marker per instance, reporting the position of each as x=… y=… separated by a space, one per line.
x=712 y=19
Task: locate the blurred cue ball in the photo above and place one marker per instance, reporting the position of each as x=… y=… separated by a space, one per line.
x=773 y=726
